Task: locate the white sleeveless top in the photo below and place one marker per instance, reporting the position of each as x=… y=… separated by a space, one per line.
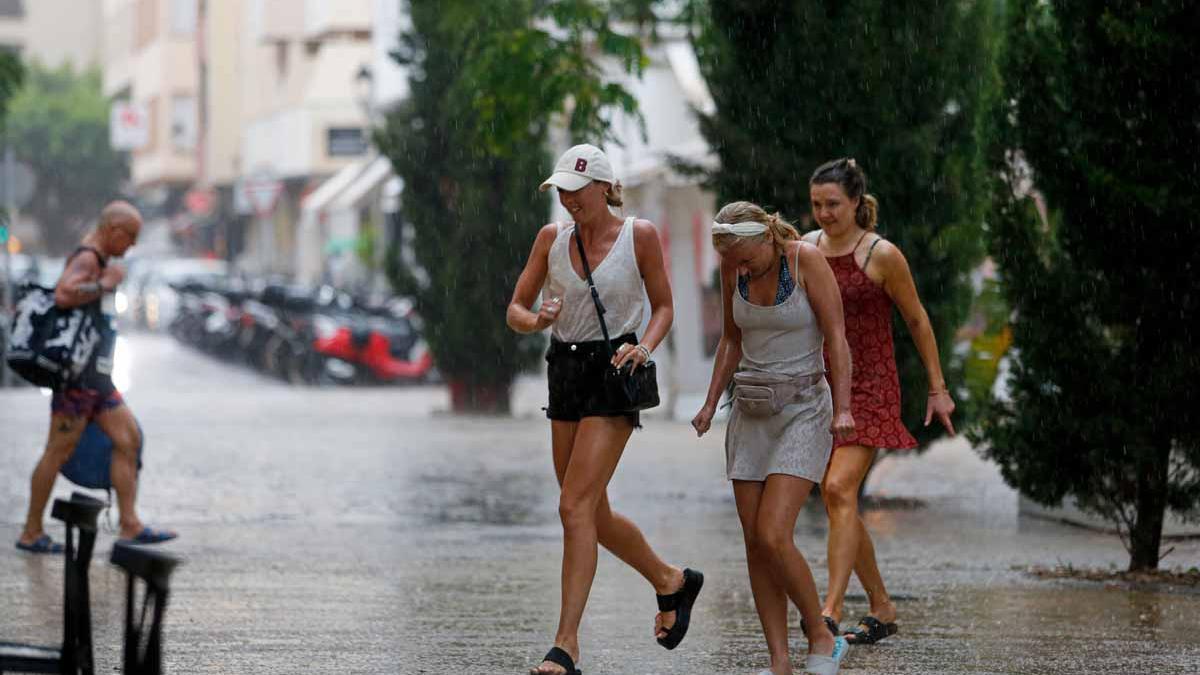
x=618 y=281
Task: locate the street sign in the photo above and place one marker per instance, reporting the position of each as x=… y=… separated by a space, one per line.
x=128 y=125
x=260 y=192
x=200 y=202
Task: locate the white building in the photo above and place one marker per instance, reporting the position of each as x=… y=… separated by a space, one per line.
x=358 y=204
x=52 y=32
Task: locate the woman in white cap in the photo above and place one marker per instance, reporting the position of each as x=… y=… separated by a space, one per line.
x=781 y=306
x=625 y=262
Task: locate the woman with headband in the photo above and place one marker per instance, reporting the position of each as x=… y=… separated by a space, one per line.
x=781 y=307
x=626 y=264
x=873 y=277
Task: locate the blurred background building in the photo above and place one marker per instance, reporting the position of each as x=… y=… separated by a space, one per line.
x=248 y=122
x=249 y=106
x=52 y=32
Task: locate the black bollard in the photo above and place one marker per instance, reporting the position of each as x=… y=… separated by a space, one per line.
x=74 y=657
x=143 y=644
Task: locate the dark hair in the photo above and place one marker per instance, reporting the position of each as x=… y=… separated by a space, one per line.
x=853 y=180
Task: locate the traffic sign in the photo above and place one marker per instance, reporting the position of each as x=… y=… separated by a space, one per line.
x=128 y=125
x=260 y=193
x=200 y=202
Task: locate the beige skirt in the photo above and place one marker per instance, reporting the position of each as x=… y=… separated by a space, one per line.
x=794 y=442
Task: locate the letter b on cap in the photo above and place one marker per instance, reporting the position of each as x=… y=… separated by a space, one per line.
x=580 y=165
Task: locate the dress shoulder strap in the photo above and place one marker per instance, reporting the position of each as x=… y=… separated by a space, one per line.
x=871 y=251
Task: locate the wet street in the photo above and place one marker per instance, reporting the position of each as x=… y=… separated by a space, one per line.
x=365 y=531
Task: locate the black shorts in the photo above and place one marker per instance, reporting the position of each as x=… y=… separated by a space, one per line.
x=576 y=378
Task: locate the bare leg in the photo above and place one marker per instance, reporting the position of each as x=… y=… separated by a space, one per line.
x=121 y=428
x=867 y=571
x=847 y=469
x=598 y=444
x=619 y=535
x=769 y=597
x=778 y=509
x=65 y=432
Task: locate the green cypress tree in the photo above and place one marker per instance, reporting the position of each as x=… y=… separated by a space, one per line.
x=470 y=144
x=1102 y=113
x=902 y=86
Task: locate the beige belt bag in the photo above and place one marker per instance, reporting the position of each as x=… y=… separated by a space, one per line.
x=765 y=394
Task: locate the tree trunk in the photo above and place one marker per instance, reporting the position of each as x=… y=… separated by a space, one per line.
x=1145 y=539
x=475 y=397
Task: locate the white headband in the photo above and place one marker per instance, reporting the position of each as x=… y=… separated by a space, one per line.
x=744 y=229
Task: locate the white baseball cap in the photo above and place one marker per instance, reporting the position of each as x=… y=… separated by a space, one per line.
x=579 y=166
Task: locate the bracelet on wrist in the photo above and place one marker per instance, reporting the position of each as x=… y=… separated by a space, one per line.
x=935 y=392
x=644 y=350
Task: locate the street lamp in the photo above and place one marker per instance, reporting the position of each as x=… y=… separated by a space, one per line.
x=364 y=83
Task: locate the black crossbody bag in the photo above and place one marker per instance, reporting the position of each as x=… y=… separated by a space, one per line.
x=625 y=389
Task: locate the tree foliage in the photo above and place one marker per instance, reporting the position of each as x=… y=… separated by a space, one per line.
x=901 y=86
x=12 y=74
x=58 y=123
x=470 y=144
x=1102 y=114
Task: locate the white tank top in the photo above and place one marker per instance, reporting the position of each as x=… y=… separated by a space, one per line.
x=617 y=279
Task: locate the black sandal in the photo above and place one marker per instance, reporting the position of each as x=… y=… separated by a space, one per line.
x=562 y=658
x=833 y=626
x=869 y=631
x=680 y=602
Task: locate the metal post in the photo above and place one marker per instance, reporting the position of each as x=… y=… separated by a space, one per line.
x=6 y=296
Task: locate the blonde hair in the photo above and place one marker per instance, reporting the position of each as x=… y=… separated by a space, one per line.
x=613 y=195
x=778 y=229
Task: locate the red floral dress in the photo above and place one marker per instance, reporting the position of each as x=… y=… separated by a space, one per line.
x=874 y=381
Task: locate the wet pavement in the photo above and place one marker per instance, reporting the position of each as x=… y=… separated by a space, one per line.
x=364 y=531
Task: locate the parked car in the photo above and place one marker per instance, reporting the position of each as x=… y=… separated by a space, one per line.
x=154 y=300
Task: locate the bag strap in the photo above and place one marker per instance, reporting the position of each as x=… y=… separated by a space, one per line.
x=587 y=270
x=83 y=248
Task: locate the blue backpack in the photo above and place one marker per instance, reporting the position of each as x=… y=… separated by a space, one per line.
x=91 y=462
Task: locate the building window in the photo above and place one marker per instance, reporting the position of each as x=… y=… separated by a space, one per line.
x=183 y=17
x=12 y=9
x=346 y=141
x=183 y=123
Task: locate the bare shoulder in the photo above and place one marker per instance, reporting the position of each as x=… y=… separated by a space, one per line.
x=644 y=228
x=546 y=235
x=84 y=262
x=807 y=252
x=887 y=253
x=811 y=236
x=645 y=233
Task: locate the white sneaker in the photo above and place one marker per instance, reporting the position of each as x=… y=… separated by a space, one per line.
x=828 y=665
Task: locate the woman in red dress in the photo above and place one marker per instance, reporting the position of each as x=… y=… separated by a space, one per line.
x=872 y=275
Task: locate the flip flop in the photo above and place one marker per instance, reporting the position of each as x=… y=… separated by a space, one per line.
x=559 y=657
x=149 y=535
x=680 y=602
x=818 y=664
x=869 y=631
x=42 y=545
